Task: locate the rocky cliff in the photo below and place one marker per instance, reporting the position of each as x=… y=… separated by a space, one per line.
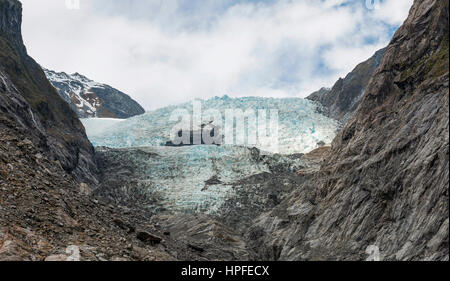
x=61 y=134
x=342 y=100
x=383 y=189
x=90 y=99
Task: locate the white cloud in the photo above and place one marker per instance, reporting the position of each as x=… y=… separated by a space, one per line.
x=161 y=52
x=393 y=12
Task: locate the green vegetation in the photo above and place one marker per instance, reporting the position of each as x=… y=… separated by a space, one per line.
x=438 y=64
x=431 y=66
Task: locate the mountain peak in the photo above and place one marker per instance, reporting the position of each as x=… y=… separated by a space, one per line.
x=342 y=100
x=90 y=99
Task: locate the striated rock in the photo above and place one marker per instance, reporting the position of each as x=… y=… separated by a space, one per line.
x=196 y=248
x=123 y=225
x=206 y=238
x=384 y=186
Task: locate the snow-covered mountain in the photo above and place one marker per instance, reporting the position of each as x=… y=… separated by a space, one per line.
x=301 y=128
x=90 y=99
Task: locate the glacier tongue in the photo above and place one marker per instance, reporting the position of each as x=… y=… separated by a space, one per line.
x=138 y=168
x=203 y=179
x=300 y=126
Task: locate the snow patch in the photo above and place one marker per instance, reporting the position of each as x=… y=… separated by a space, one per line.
x=75 y=86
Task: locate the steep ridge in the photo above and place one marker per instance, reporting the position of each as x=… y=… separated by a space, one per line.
x=90 y=99
x=65 y=139
x=382 y=192
x=342 y=100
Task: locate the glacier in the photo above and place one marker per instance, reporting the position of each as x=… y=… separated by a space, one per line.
x=301 y=126
x=98 y=126
x=193 y=178
x=138 y=166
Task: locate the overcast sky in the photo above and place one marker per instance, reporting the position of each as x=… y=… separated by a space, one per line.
x=163 y=52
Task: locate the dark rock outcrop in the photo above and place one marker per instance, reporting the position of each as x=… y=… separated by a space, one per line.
x=90 y=99
x=383 y=189
x=342 y=101
x=209 y=238
x=148 y=238
x=193 y=135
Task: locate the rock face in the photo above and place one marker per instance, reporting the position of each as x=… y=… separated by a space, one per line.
x=342 y=101
x=384 y=186
x=29 y=99
x=90 y=99
x=43 y=211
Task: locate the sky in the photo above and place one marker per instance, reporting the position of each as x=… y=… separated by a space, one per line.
x=163 y=52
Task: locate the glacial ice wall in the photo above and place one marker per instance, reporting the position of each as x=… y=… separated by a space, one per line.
x=300 y=125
